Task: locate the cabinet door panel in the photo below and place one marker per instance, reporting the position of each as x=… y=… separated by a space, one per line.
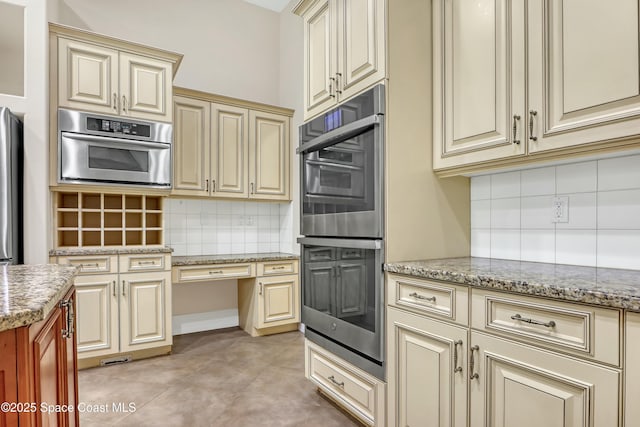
x=319 y=57
x=278 y=301
x=145 y=87
x=144 y=311
x=584 y=80
x=229 y=151
x=191 y=146
x=97 y=314
x=8 y=376
x=361 y=54
x=478 y=81
x=525 y=386
x=87 y=77
x=269 y=145
x=425 y=388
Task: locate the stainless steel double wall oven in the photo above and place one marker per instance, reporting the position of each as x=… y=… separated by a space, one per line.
x=342 y=200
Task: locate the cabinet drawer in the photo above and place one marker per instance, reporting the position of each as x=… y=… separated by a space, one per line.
x=278 y=267
x=154 y=262
x=92 y=264
x=357 y=391
x=582 y=330
x=437 y=299
x=213 y=272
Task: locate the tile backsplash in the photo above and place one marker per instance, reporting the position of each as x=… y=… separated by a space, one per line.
x=209 y=227
x=511 y=214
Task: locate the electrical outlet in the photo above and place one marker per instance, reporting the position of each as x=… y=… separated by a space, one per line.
x=560 y=209
x=249 y=220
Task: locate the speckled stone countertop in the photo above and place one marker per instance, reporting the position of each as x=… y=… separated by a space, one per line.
x=110 y=251
x=29 y=292
x=602 y=286
x=230 y=259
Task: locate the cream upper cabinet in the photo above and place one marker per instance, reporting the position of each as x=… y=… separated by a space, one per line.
x=191 y=146
x=105 y=75
x=88 y=77
x=344 y=50
x=581 y=76
x=269 y=164
x=225 y=148
x=519 y=385
x=479 y=93
x=426 y=371
x=229 y=151
x=145 y=87
x=584 y=72
x=144 y=310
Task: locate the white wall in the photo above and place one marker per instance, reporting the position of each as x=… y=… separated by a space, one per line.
x=511 y=214
x=230 y=47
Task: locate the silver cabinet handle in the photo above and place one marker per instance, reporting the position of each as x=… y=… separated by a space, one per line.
x=422 y=297
x=216 y=272
x=549 y=324
x=213 y=185
x=113 y=288
x=147 y=262
x=251 y=188
x=206 y=185
x=333 y=380
x=124 y=103
x=532 y=115
x=280 y=267
x=338 y=75
x=456 y=368
x=89 y=265
x=260 y=289
x=124 y=294
x=516 y=119
x=473 y=375
x=67 y=306
x=115 y=102
x=331 y=84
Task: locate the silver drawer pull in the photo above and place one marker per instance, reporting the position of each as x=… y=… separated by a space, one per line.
x=333 y=380
x=422 y=297
x=147 y=262
x=456 y=368
x=216 y=272
x=89 y=265
x=279 y=267
x=549 y=324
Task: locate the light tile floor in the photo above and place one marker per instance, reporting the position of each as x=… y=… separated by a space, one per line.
x=220 y=378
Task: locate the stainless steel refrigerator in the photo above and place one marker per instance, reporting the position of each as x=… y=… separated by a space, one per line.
x=11 y=137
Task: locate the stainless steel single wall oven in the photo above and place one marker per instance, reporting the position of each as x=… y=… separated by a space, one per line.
x=94 y=148
x=342 y=199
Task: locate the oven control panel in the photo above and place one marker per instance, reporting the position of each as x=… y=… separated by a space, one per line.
x=115 y=126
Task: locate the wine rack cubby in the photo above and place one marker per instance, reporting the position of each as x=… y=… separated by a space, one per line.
x=97 y=219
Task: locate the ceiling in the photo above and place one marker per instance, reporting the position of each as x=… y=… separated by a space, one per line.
x=275 y=5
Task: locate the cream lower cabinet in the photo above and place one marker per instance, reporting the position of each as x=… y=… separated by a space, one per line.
x=517 y=385
x=426 y=371
x=228 y=148
x=122 y=312
x=632 y=370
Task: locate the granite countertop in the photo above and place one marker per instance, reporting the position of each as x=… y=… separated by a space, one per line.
x=110 y=251
x=602 y=286
x=29 y=292
x=230 y=259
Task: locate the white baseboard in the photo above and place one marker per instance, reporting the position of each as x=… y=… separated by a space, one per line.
x=207 y=321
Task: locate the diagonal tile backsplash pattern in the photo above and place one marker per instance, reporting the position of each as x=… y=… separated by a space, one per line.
x=511 y=214
x=210 y=227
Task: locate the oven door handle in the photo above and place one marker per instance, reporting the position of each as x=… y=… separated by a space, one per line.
x=107 y=141
x=340 y=134
x=322 y=164
x=341 y=243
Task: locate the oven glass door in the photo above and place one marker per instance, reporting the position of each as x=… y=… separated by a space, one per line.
x=102 y=159
x=342 y=292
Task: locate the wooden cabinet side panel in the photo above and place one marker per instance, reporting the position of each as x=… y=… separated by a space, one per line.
x=8 y=376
